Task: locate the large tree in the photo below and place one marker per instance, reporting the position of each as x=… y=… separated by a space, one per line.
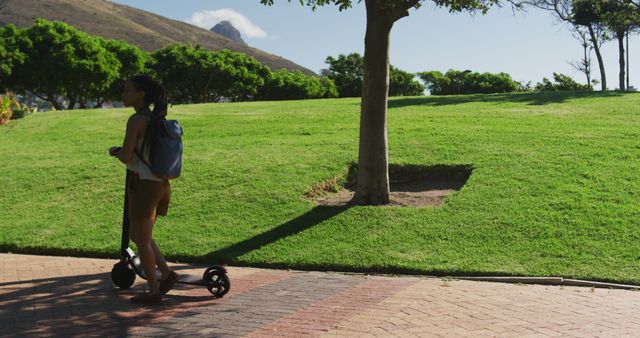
x=373 y=170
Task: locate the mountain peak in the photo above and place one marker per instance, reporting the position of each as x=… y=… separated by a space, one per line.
x=226 y=29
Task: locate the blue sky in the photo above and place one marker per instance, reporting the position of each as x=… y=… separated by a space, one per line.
x=528 y=45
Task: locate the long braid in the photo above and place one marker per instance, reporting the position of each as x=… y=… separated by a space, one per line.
x=157 y=96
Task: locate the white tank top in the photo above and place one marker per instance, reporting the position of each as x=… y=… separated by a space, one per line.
x=138 y=166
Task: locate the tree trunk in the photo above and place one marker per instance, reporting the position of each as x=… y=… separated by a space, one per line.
x=586 y=61
x=99 y=102
x=373 y=162
x=621 y=77
x=54 y=101
x=596 y=48
x=72 y=101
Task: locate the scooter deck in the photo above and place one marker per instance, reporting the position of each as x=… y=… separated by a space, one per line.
x=191 y=279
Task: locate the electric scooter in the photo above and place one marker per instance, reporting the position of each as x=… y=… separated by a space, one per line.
x=123 y=274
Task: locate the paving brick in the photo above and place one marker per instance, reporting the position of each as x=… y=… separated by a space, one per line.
x=68 y=296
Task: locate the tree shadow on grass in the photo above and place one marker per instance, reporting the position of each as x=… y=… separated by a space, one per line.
x=226 y=255
x=525 y=98
x=308 y=220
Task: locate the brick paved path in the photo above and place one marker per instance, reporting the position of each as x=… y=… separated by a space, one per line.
x=60 y=296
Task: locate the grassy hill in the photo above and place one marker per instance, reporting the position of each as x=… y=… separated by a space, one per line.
x=554 y=188
x=143 y=29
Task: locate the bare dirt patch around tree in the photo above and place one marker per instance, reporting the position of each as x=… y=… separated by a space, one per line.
x=410 y=185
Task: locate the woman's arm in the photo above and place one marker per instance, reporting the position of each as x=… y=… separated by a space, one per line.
x=135 y=126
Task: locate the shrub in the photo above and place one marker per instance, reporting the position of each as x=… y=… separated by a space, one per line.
x=21 y=112
x=286 y=85
x=7 y=104
x=347 y=72
x=562 y=82
x=468 y=82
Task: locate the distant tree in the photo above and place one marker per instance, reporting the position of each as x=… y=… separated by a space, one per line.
x=63 y=62
x=583 y=65
x=467 y=82
x=186 y=72
x=194 y=74
x=403 y=83
x=13 y=43
x=237 y=76
x=287 y=85
x=330 y=89
x=132 y=61
x=347 y=71
x=620 y=17
x=562 y=83
x=565 y=11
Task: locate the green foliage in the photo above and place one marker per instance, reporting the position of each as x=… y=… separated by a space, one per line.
x=55 y=61
x=562 y=82
x=347 y=71
x=21 y=112
x=132 y=61
x=240 y=76
x=7 y=103
x=286 y=85
x=620 y=16
x=13 y=43
x=467 y=82
x=187 y=73
x=399 y=5
x=194 y=74
x=11 y=109
x=61 y=60
x=403 y=83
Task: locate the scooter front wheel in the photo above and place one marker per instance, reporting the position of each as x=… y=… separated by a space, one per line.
x=122 y=275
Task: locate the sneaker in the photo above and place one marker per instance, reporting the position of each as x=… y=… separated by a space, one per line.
x=167 y=283
x=146 y=298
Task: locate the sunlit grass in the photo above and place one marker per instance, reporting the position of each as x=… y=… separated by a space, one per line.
x=554 y=190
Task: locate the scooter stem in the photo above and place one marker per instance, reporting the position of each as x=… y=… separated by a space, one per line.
x=125 y=219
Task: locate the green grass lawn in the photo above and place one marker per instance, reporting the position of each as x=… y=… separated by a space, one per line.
x=554 y=190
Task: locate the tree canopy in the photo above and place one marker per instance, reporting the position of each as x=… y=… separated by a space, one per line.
x=399 y=7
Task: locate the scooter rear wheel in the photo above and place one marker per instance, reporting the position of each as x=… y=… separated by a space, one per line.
x=218 y=283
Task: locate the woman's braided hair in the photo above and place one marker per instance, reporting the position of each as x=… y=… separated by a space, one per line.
x=154 y=94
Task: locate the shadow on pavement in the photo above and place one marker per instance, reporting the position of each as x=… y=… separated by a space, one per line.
x=82 y=305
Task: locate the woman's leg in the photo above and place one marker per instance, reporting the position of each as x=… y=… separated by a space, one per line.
x=161 y=210
x=160 y=261
x=143 y=232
